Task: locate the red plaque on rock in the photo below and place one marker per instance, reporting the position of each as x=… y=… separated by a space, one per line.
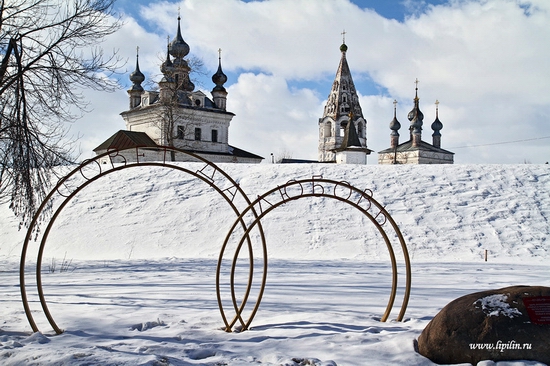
x=538 y=308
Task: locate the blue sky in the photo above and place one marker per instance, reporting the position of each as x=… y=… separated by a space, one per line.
x=484 y=60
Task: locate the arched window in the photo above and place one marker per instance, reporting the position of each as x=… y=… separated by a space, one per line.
x=327 y=130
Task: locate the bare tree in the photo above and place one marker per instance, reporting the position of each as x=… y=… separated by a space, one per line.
x=49 y=53
x=176 y=110
x=282 y=155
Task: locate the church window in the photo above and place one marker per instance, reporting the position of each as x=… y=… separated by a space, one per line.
x=360 y=130
x=197 y=102
x=197 y=134
x=214 y=135
x=327 y=130
x=180 y=133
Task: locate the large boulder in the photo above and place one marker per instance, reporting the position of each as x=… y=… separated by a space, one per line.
x=491 y=325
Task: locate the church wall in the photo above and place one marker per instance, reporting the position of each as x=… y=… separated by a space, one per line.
x=416 y=157
x=351 y=157
x=429 y=157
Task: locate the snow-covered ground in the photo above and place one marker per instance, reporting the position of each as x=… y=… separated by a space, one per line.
x=141 y=247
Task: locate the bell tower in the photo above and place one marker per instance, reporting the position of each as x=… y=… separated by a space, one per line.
x=342 y=102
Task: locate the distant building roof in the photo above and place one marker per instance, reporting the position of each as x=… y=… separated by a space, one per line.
x=126 y=139
x=407 y=146
x=233 y=151
x=297 y=161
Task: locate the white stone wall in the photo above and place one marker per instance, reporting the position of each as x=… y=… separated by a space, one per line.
x=416 y=157
x=351 y=157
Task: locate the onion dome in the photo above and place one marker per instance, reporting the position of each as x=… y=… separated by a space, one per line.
x=219 y=78
x=137 y=76
x=437 y=125
x=416 y=112
x=394 y=124
x=178 y=47
x=167 y=66
x=415 y=115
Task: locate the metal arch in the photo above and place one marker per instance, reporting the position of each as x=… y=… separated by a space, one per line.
x=206 y=174
x=316 y=187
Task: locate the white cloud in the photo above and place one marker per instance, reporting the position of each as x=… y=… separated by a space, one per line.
x=486 y=61
x=273 y=119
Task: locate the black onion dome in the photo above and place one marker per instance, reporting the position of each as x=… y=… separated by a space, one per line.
x=437 y=125
x=167 y=66
x=394 y=124
x=416 y=112
x=137 y=77
x=178 y=47
x=219 y=78
x=343 y=48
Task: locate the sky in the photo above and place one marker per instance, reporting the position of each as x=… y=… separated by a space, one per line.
x=485 y=61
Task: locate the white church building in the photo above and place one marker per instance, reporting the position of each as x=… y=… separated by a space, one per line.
x=415 y=150
x=343 y=129
x=177 y=115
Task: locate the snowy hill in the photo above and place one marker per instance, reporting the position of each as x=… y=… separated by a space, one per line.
x=134 y=306
x=444 y=212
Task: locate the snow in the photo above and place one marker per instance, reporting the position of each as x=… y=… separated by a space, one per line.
x=496 y=305
x=139 y=249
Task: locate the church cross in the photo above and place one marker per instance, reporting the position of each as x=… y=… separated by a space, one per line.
x=343 y=36
x=220 y=53
x=137 y=51
x=416 y=82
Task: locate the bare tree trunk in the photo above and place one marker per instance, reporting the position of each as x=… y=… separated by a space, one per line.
x=42 y=48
